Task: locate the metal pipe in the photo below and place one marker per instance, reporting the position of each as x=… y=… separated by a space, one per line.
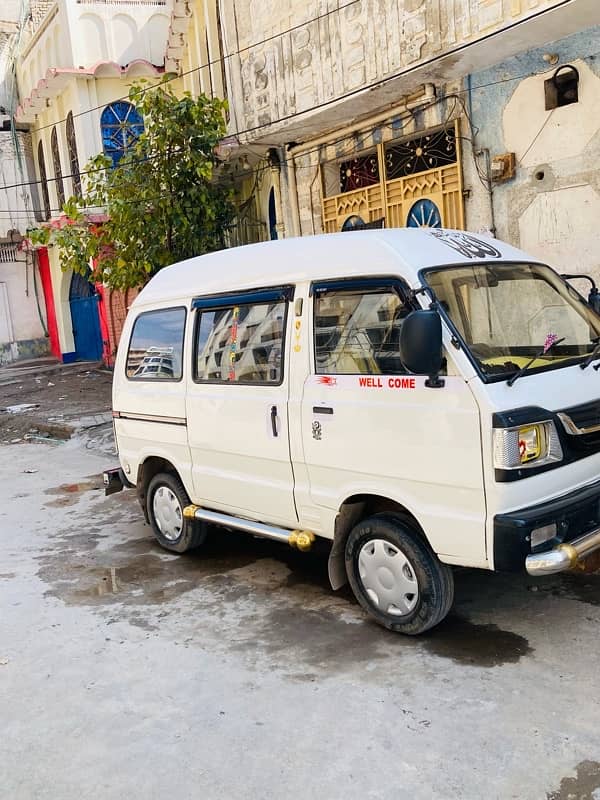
x=564 y=556
x=303 y=540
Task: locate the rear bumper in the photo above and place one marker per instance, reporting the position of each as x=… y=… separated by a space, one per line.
x=577 y=519
x=115 y=480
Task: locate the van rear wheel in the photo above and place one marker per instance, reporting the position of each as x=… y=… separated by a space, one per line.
x=166 y=498
x=396 y=577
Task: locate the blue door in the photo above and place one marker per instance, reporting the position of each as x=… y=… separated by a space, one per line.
x=83 y=301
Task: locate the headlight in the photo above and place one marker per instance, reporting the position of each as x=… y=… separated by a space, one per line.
x=528 y=445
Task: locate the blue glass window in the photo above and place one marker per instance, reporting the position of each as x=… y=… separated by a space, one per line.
x=121 y=125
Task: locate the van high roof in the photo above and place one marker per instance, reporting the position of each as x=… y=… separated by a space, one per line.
x=386 y=251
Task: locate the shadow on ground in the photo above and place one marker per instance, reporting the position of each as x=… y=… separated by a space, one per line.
x=264 y=600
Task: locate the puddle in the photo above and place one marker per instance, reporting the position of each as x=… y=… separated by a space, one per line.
x=252 y=596
x=135 y=572
x=585 y=785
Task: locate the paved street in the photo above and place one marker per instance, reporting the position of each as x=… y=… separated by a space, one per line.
x=126 y=672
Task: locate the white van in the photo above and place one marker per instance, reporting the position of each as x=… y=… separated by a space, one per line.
x=422 y=398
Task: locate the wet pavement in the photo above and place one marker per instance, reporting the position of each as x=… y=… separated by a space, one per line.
x=236 y=672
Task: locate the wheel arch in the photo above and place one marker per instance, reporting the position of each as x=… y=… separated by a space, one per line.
x=148 y=468
x=354 y=509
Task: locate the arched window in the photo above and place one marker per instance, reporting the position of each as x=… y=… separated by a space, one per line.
x=43 y=181
x=121 y=125
x=73 y=158
x=60 y=189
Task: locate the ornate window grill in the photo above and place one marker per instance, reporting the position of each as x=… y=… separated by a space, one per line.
x=43 y=181
x=121 y=125
x=359 y=173
x=73 y=157
x=436 y=149
x=60 y=189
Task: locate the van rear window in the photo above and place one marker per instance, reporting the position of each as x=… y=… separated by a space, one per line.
x=156 y=346
x=241 y=343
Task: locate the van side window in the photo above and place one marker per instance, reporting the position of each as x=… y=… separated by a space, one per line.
x=358 y=332
x=241 y=343
x=156 y=346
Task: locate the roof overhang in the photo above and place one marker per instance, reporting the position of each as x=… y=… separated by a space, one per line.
x=57 y=79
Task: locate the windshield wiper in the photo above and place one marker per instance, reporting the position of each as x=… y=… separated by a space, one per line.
x=592 y=355
x=551 y=341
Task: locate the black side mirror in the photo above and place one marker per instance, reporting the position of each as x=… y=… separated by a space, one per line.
x=594 y=295
x=421 y=345
x=594 y=299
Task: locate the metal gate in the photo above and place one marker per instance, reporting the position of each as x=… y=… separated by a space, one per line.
x=415 y=183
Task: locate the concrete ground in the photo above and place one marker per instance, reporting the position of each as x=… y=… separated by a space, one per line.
x=127 y=672
x=45 y=399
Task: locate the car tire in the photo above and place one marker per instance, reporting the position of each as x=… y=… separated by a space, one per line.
x=396 y=577
x=166 y=498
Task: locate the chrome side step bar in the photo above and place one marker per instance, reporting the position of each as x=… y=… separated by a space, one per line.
x=301 y=540
x=565 y=556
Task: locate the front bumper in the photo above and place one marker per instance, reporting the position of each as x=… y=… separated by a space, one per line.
x=565 y=556
x=577 y=519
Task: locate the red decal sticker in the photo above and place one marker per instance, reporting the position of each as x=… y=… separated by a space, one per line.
x=327 y=380
x=402 y=383
x=391 y=383
x=370 y=383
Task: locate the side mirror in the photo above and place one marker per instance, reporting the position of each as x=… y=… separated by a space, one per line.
x=421 y=345
x=594 y=295
x=594 y=299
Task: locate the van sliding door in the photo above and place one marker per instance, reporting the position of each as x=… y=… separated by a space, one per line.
x=237 y=405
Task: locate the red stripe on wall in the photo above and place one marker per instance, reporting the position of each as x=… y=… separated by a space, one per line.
x=44 y=269
x=102 y=313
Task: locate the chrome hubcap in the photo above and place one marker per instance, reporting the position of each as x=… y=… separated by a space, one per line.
x=388 y=577
x=168 y=513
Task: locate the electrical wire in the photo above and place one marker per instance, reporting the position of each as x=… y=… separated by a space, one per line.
x=214 y=61
x=368 y=87
x=457 y=96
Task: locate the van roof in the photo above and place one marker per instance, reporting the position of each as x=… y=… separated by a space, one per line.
x=388 y=251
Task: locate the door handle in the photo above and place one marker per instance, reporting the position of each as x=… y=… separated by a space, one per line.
x=322 y=410
x=274 y=420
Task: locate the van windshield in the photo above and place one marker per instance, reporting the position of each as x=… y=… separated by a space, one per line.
x=504 y=313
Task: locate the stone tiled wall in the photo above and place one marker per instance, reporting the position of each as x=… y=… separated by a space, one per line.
x=342 y=49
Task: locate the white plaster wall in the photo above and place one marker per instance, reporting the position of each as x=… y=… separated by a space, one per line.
x=536 y=135
x=15 y=204
x=118 y=32
x=552 y=207
x=22 y=306
x=562 y=227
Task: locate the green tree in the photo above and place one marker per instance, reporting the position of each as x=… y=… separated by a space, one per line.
x=160 y=204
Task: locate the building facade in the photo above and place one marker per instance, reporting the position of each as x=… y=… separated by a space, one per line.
x=23 y=315
x=75 y=65
x=471 y=114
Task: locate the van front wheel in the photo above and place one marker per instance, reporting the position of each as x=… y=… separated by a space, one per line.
x=396 y=577
x=166 y=498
